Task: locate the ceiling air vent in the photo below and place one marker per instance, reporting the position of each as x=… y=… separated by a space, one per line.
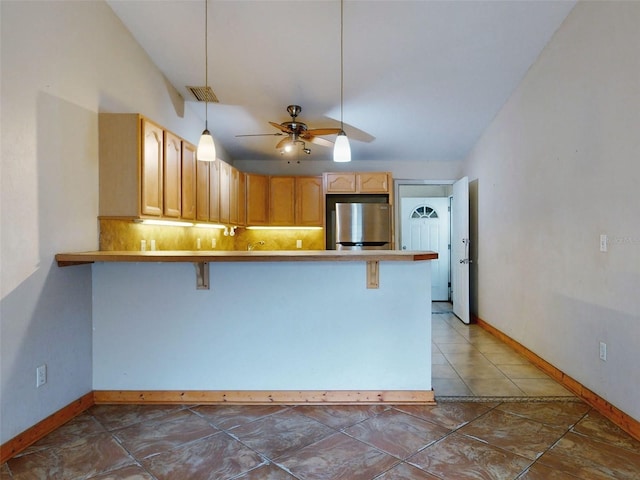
x=204 y=94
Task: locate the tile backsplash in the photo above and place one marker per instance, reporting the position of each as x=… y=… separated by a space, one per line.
x=119 y=234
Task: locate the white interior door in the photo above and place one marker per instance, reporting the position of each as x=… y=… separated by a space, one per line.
x=460 y=249
x=425 y=226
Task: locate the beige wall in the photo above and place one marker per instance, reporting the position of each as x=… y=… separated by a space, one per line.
x=559 y=166
x=62 y=63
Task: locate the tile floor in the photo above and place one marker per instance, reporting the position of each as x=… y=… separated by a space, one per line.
x=519 y=431
x=467 y=361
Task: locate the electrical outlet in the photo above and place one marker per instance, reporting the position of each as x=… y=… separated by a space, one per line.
x=603 y=351
x=298 y=243
x=41 y=375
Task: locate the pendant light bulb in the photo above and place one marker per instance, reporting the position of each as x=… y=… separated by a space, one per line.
x=206 y=148
x=341 y=149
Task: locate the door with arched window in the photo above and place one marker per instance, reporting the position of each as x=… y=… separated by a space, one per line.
x=425 y=225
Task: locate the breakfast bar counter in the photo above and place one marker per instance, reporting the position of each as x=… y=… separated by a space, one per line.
x=260 y=326
x=66 y=259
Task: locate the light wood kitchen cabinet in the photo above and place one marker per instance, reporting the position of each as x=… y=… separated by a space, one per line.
x=217 y=193
x=282 y=195
x=202 y=191
x=131 y=151
x=357 y=182
x=214 y=191
x=189 y=187
x=152 y=163
x=373 y=182
x=234 y=200
x=257 y=199
x=224 y=191
x=340 y=182
x=172 y=176
x=242 y=198
x=284 y=201
x=309 y=201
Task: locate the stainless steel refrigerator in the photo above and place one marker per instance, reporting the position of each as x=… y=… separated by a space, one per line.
x=363 y=226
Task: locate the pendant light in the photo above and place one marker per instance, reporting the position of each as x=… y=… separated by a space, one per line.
x=206 y=151
x=341 y=149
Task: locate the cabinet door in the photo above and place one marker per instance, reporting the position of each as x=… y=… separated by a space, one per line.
x=309 y=201
x=234 y=187
x=224 y=191
x=374 y=182
x=340 y=182
x=214 y=191
x=151 y=168
x=188 y=181
x=172 y=176
x=242 y=198
x=202 y=191
x=282 y=193
x=257 y=199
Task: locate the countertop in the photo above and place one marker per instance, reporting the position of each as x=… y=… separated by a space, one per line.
x=79 y=258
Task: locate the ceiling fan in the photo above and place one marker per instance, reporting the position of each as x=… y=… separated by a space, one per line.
x=297 y=133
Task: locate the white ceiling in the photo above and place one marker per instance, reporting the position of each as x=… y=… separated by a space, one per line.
x=422 y=79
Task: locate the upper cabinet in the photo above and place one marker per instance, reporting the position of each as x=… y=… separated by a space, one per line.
x=131 y=156
x=152 y=165
x=214 y=190
x=257 y=199
x=282 y=194
x=357 y=182
x=172 y=176
x=145 y=170
x=202 y=191
x=309 y=201
x=284 y=201
x=188 y=181
x=242 y=198
x=340 y=182
x=224 y=188
x=236 y=203
x=219 y=186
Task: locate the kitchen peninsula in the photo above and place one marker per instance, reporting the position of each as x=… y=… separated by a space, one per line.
x=272 y=326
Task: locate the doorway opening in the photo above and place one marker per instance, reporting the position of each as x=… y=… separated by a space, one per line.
x=428 y=217
x=424 y=223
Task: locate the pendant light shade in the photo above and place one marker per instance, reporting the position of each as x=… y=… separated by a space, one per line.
x=206 y=151
x=341 y=149
x=206 y=148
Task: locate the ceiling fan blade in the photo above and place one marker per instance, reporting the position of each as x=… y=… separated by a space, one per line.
x=319 y=141
x=280 y=127
x=323 y=131
x=261 y=135
x=282 y=143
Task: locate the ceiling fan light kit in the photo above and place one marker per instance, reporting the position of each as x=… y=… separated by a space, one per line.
x=206 y=151
x=297 y=133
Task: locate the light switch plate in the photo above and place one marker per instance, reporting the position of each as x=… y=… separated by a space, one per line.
x=603 y=243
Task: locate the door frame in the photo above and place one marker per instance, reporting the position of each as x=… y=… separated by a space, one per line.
x=442 y=205
x=397 y=182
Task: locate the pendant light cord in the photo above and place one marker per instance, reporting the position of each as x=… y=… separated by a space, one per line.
x=206 y=64
x=341 y=63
